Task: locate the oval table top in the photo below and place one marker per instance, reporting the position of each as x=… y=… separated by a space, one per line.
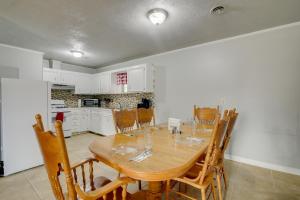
x=170 y=159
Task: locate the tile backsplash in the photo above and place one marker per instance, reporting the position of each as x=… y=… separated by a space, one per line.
x=126 y=100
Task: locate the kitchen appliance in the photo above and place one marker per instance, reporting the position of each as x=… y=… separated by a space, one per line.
x=59 y=107
x=146 y=103
x=21 y=100
x=90 y=103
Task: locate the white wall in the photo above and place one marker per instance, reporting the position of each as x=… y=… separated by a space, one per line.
x=70 y=67
x=28 y=62
x=259 y=73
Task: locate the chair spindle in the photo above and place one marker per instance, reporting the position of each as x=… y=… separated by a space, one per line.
x=83 y=177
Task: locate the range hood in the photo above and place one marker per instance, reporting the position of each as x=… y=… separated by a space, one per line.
x=63 y=87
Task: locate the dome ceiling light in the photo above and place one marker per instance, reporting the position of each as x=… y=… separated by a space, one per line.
x=157 y=16
x=76 y=53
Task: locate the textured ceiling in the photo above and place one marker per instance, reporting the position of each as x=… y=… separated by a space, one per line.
x=111 y=31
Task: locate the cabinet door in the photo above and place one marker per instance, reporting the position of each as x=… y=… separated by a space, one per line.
x=95 y=122
x=105 y=83
x=67 y=78
x=85 y=120
x=96 y=84
x=83 y=84
x=107 y=125
x=75 y=121
x=136 y=79
x=51 y=75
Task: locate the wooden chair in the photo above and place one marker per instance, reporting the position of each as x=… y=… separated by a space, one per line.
x=124 y=120
x=56 y=161
x=230 y=117
x=201 y=176
x=205 y=116
x=145 y=116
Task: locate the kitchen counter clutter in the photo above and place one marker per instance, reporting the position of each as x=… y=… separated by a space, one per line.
x=96 y=120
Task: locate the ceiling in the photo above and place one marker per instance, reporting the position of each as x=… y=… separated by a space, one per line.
x=111 y=31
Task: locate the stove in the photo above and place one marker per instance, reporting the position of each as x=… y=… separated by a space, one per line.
x=58 y=106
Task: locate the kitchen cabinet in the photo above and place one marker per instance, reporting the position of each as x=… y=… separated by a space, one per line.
x=105 y=82
x=85 y=120
x=96 y=84
x=136 y=79
x=51 y=75
x=76 y=115
x=83 y=84
x=107 y=124
x=140 y=78
x=59 y=76
x=97 y=120
x=67 y=78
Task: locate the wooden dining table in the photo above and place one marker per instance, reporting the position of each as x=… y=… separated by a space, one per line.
x=171 y=156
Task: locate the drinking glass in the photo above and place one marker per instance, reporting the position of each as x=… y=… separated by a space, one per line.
x=148 y=140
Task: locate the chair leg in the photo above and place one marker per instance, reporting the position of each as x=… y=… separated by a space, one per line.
x=203 y=196
x=167 y=189
x=213 y=191
x=219 y=186
x=224 y=177
x=140 y=185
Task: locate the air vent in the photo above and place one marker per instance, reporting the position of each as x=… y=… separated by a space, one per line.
x=218 y=10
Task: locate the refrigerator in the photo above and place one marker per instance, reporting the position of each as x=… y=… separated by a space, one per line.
x=21 y=100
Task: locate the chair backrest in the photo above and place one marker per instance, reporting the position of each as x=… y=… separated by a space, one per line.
x=145 y=116
x=231 y=117
x=125 y=120
x=55 y=156
x=213 y=153
x=205 y=116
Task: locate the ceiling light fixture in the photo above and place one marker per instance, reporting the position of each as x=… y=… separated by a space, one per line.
x=77 y=54
x=157 y=15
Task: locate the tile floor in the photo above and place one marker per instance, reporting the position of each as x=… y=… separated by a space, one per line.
x=245 y=181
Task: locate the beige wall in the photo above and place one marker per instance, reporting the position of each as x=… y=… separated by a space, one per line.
x=259 y=73
x=28 y=62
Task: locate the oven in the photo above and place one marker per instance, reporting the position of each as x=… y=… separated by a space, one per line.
x=58 y=106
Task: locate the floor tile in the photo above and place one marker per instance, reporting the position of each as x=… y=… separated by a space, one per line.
x=245 y=181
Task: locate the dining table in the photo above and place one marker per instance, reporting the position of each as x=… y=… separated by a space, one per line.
x=172 y=154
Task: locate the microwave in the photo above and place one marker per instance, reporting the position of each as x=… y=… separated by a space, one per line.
x=90 y=103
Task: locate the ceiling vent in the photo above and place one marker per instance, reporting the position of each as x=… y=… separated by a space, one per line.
x=218 y=10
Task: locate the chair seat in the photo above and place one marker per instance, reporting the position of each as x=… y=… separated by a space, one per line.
x=193 y=172
x=100 y=181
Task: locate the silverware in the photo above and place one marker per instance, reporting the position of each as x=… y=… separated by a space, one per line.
x=142 y=156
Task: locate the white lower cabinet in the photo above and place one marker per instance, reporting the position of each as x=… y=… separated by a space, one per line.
x=97 y=120
x=107 y=124
x=76 y=113
x=85 y=120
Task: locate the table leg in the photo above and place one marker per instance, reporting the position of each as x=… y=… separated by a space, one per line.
x=154 y=190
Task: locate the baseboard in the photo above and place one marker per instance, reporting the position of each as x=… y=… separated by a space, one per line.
x=275 y=167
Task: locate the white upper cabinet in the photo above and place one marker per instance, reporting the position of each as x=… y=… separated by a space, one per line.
x=67 y=78
x=136 y=79
x=51 y=75
x=105 y=82
x=139 y=79
x=83 y=84
x=96 y=84
x=59 y=76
